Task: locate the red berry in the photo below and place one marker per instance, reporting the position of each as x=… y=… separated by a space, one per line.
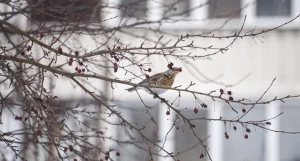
x=70 y=63
x=201 y=156
x=16 y=117
x=147 y=76
x=79 y=70
x=243 y=110
x=41 y=118
x=234 y=127
x=115 y=65
x=195 y=110
x=168 y=113
x=115 y=70
x=231 y=98
x=76 y=68
x=149 y=70
x=65 y=149
x=118 y=154
x=246 y=136
x=229 y=92
x=106 y=158
x=83 y=70
x=22 y=53
x=118 y=47
x=221 y=91
x=59 y=50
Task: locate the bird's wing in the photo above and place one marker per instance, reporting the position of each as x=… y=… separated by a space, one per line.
x=153 y=80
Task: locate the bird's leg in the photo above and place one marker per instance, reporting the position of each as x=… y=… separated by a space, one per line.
x=163 y=100
x=155 y=95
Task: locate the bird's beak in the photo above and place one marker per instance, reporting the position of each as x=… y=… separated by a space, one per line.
x=178 y=69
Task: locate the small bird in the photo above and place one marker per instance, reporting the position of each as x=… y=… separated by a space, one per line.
x=165 y=79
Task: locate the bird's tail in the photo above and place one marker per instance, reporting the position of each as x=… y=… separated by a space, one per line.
x=131 y=89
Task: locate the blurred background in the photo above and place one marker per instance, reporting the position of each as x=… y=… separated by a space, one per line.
x=246 y=69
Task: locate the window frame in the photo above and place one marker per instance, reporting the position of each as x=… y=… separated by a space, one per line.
x=252 y=20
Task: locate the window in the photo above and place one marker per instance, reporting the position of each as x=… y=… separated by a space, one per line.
x=57 y=10
x=289 y=143
x=185 y=139
x=224 y=8
x=134 y=8
x=176 y=7
x=273 y=8
x=254 y=145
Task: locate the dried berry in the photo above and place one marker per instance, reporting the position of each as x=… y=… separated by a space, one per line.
x=231 y=98
x=71 y=147
x=248 y=130
x=234 y=127
x=201 y=156
x=59 y=50
x=221 y=91
x=229 y=92
x=227 y=136
x=147 y=76
x=243 y=110
x=28 y=48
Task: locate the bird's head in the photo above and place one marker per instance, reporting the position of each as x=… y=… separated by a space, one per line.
x=173 y=71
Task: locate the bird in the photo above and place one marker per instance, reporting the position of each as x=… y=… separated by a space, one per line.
x=164 y=79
